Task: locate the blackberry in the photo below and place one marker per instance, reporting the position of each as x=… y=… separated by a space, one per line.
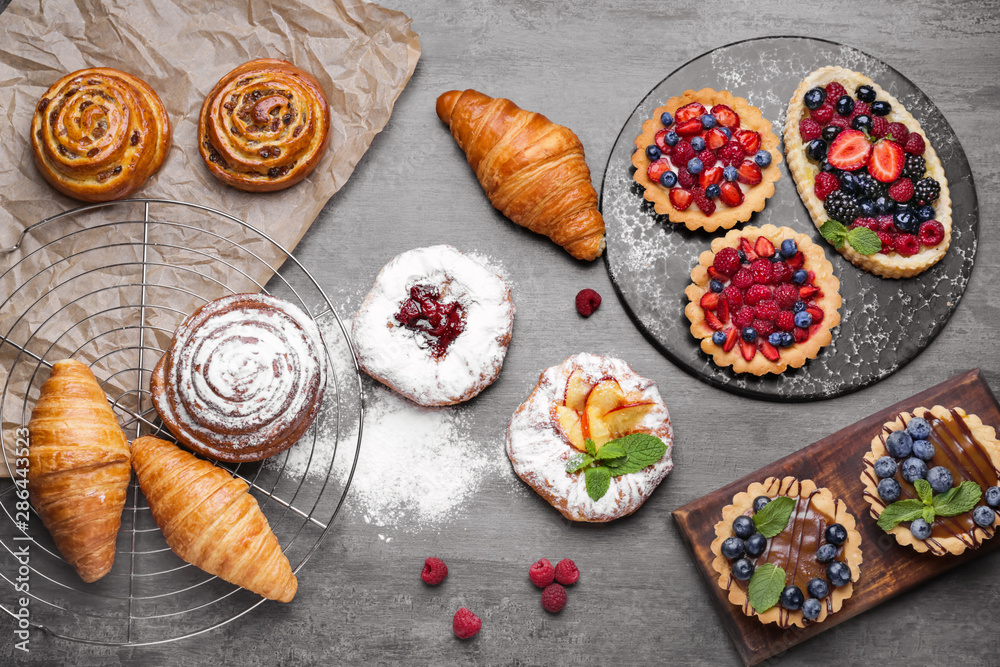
x=925 y=190
x=870 y=188
x=842 y=207
x=915 y=167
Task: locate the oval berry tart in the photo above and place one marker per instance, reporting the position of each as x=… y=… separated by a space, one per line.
x=861 y=161
x=707 y=159
x=763 y=300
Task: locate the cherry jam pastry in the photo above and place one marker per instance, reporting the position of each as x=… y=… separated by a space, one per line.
x=425 y=311
x=763 y=300
x=707 y=160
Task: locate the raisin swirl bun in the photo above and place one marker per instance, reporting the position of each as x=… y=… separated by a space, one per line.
x=243 y=378
x=98 y=134
x=264 y=126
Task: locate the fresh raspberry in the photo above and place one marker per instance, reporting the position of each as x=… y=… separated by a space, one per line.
x=553 y=598
x=931 y=233
x=707 y=158
x=434 y=571
x=567 y=573
x=763 y=327
x=823 y=115
x=884 y=223
x=907 y=245
x=780 y=273
x=685 y=179
x=682 y=153
x=834 y=91
x=731 y=153
x=785 y=320
x=761 y=269
x=841 y=122
x=870 y=223
x=768 y=310
x=465 y=624
x=786 y=295
x=733 y=296
x=706 y=205
x=727 y=261
x=587 y=301
x=542 y=573
x=744 y=317
x=901 y=190
x=888 y=240
x=880 y=127
x=860 y=108
x=825 y=184
x=743 y=279
x=809 y=129
x=915 y=144
x=756 y=294
x=898 y=132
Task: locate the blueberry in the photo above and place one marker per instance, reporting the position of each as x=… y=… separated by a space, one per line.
x=913 y=469
x=816 y=150
x=845 y=105
x=818 y=588
x=668 y=179
x=730 y=173
x=923 y=450
x=919 y=429
x=726 y=131
x=885 y=205
x=866 y=94
x=756 y=544
x=749 y=334
x=838 y=573
x=811 y=608
x=742 y=255
x=652 y=152
x=885 y=466
x=712 y=191
x=733 y=548
x=800 y=276
x=867 y=208
x=792 y=598
x=814 y=98
x=881 y=108
x=803 y=319
x=826 y=167
x=698 y=144
x=788 y=248
x=695 y=166
x=920 y=529
x=708 y=121
x=715 y=285
x=762 y=158
x=672 y=138
x=759 y=502
x=899 y=444
x=983 y=516
x=775 y=339
x=826 y=553
x=742 y=569
x=830 y=132
x=849 y=184
x=666 y=119
x=939 y=478
x=719 y=338
x=744 y=527
x=835 y=534
x=787 y=339
x=862 y=122
x=992 y=496
x=925 y=213
x=889 y=490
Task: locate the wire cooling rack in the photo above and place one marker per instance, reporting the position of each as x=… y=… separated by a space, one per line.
x=108 y=284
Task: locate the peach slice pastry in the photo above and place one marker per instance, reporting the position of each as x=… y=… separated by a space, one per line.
x=598 y=412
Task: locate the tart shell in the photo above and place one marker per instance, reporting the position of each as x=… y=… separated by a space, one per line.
x=724 y=217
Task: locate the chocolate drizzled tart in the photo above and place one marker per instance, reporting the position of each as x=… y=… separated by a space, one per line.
x=938 y=470
x=787 y=552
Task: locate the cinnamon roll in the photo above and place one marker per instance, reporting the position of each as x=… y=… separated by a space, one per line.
x=264 y=126
x=243 y=378
x=99 y=133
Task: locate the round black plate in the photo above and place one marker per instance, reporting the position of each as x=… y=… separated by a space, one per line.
x=885 y=323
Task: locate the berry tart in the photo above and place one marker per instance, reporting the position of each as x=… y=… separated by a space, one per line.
x=763 y=300
x=932 y=479
x=707 y=159
x=435 y=326
x=787 y=552
x=860 y=160
x=594 y=438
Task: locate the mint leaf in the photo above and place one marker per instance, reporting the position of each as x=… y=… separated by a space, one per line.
x=765 y=586
x=591 y=446
x=774 y=517
x=864 y=241
x=611 y=450
x=928 y=514
x=642 y=449
x=835 y=233
x=958 y=500
x=924 y=490
x=578 y=461
x=614 y=464
x=899 y=511
x=598 y=480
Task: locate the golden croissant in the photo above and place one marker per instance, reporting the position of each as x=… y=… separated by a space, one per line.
x=532 y=169
x=78 y=468
x=210 y=519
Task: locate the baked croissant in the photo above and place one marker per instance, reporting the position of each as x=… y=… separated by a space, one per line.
x=210 y=520
x=78 y=468
x=532 y=170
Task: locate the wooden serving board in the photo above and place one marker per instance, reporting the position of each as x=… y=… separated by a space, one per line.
x=836 y=463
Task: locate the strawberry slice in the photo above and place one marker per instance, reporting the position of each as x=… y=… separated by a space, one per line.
x=718 y=275
x=748 y=350
x=817 y=314
x=749 y=173
x=715 y=139
x=657 y=168
x=710 y=301
x=689 y=127
x=887 y=160
x=850 y=150
x=709 y=177
x=749 y=140
x=731 y=337
x=661 y=142
x=807 y=291
x=796 y=261
x=712 y=321
x=769 y=351
x=747 y=249
x=730 y=194
x=801 y=335
x=689 y=111
x=763 y=247
x=681 y=198
x=726 y=116
x=723 y=311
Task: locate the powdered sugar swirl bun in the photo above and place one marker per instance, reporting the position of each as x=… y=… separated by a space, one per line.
x=243 y=378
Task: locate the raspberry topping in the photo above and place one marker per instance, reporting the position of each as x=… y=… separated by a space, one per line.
x=915 y=144
x=553 y=598
x=834 y=91
x=567 y=572
x=809 y=129
x=587 y=301
x=465 y=624
x=434 y=571
x=542 y=573
x=727 y=261
x=931 y=233
x=826 y=183
x=901 y=190
x=441 y=322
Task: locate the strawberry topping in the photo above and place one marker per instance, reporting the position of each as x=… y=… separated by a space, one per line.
x=887 y=161
x=850 y=150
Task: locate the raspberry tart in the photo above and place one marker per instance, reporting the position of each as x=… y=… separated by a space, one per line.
x=707 y=160
x=763 y=300
x=861 y=159
x=932 y=479
x=787 y=552
x=588 y=413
